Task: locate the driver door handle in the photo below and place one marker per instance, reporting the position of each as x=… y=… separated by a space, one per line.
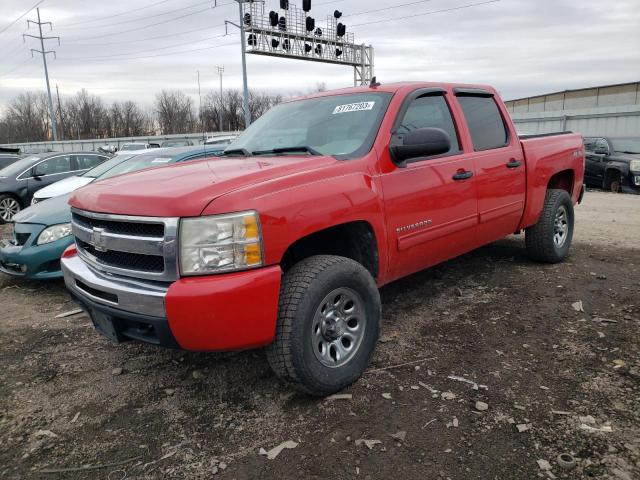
x=513 y=163
x=463 y=174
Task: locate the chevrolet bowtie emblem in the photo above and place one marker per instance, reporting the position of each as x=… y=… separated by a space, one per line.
x=97 y=240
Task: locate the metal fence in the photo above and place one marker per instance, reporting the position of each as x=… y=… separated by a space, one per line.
x=611 y=110
x=93 y=144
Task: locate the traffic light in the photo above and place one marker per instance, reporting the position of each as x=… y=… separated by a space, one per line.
x=337 y=13
x=252 y=40
x=318 y=32
x=307 y=48
x=282 y=24
x=274 y=43
x=285 y=44
x=247 y=19
x=338 y=52
x=341 y=30
x=273 y=18
x=306 y=5
x=310 y=24
x=284 y=4
x=318 y=49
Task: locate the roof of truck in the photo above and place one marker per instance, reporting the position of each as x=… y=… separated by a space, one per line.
x=395 y=87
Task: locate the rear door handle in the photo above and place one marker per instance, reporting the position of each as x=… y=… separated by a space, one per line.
x=463 y=175
x=513 y=163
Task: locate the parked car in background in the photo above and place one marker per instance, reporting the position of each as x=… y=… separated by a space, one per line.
x=128 y=147
x=20 y=180
x=70 y=184
x=284 y=240
x=222 y=141
x=42 y=232
x=613 y=163
x=176 y=143
x=7 y=159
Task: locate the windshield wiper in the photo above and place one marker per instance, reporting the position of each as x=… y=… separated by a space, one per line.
x=299 y=148
x=236 y=152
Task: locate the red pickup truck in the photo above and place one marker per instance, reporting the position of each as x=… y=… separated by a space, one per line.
x=285 y=239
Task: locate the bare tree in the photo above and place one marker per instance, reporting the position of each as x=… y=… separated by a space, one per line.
x=175 y=112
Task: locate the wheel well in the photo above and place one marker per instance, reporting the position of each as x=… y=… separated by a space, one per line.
x=610 y=174
x=562 y=180
x=354 y=240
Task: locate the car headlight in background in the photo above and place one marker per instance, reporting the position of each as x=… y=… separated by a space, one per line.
x=634 y=166
x=220 y=243
x=53 y=233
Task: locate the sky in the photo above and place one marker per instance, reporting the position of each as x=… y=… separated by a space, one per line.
x=132 y=49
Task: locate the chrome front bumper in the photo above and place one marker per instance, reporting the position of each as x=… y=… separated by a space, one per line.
x=117 y=292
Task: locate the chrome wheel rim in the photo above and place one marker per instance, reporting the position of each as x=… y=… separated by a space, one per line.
x=560 y=226
x=8 y=208
x=338 y=327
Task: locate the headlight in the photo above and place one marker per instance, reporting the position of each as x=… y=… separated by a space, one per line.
x=635 y=165
x=220 y=243
x=53 y=233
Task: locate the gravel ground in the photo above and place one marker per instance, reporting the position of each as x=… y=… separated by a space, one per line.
x=550 y=379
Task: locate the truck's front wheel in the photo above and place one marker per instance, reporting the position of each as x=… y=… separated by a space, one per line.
x=328 y=321
x=549 y=240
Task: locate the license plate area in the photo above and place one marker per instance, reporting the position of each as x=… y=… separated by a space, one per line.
x=104 y=324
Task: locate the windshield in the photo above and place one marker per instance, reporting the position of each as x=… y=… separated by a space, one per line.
x=626 y=145
x=18 y=167
x=138 y=162
x=132 y=146
x=99 y=170
x=344 y=125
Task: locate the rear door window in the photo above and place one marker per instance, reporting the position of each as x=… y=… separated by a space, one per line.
x=85 y=162
x=54 y=165
x=485 y=123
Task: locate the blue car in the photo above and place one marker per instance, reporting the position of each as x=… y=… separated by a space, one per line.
x=43 y=231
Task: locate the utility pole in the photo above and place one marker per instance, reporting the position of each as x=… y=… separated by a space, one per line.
x=200 y=106
x=44 y=52
x=243 y=42
x=220 y=72
x=60 y=114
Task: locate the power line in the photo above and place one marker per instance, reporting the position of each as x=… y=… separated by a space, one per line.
x=386 y=8
x=141 y=39
x=18 y=67
x=115 y=15
x=115 y=55
x=145 y=26
x=21 y=16
x=89 y=59
x=461 y=7
x=148 y=17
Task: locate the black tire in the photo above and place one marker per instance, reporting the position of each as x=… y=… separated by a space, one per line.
x=539 y=238
x=613 y=182
x=304 y=290
x=4 y=198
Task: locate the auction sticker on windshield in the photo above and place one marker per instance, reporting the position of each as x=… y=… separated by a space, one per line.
x=354 y=107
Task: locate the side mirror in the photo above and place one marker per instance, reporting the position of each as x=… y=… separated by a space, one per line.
x=601 y=151
x=34 y=173
x=422 y=142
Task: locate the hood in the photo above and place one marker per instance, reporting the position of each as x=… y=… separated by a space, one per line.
x=62 y=187
x=49 y=212
x=626 y=157
x=185 y=189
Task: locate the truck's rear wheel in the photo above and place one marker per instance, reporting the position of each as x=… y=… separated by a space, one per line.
x=613 y=182
x=549 y=240
x=328 y=321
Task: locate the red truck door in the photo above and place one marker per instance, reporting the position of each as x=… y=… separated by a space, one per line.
x=499 y=164
x=431 y=204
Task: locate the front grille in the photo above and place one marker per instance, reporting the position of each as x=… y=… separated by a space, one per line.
x=121 y=228
x=126 y=260
x=139 y=247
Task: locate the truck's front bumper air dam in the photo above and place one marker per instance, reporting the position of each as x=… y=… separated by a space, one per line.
x=217 y=312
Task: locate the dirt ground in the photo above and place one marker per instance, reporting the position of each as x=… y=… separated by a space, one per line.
x=555 y=380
